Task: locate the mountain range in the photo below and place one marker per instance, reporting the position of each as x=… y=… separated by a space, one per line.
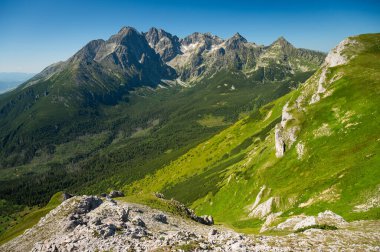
x=104 y=72
x=251 y=134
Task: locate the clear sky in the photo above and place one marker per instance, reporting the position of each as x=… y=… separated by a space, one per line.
x=36 y=33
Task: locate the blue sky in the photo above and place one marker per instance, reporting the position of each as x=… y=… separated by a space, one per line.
x=34 y=34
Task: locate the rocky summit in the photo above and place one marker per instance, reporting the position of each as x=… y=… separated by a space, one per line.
x=147 y=58
x=91 y=223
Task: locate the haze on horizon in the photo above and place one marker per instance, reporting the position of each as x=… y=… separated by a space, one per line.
x=39 y=33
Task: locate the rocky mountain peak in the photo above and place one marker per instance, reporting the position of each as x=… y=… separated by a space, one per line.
x=282 y=42
x=154 y=35
x=127 y=30
x=239 y=37
x=164 y=43
x=88 y=52
x=203 y=53
x=213 y=37
x=198 y=37
x=235 y=41
x=126 y=35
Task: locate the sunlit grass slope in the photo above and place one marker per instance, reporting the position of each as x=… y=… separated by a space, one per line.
x=339 y=169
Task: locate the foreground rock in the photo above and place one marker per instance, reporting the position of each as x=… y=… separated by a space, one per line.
x=89 y=223
x=327 y=218
x=115 y=194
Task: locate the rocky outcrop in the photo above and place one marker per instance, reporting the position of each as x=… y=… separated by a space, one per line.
x=66 y=196
x=298 y=222
x=269 y=220
x=117 y=226
x=330 y=218
x=308 y=221
x=289 y=223
x=87 y=223
x=320 y=89
x=311 y=92
x=286 y=131
x=205 y=219
x=114 y=194
x=279 y=141
x=265 y=208
x=258 y=198
x=160 y=218
x=159 y=195
x=335 y=57
x=371 y=202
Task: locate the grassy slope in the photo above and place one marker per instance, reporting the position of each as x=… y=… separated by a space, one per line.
x=126 y=141
x=179 y=113
x=223 y=175
x=30 y=219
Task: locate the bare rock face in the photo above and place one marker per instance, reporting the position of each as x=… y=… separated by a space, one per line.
x=330 y=218
x=290 y=222
x=336 y=56
x=279 y=141
x=269 y=220
x=306 y=222
x=258 y=198
x=263 y=209
x=327 y=217
x=164 y=43
x=285 y=134
x=320 y=89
